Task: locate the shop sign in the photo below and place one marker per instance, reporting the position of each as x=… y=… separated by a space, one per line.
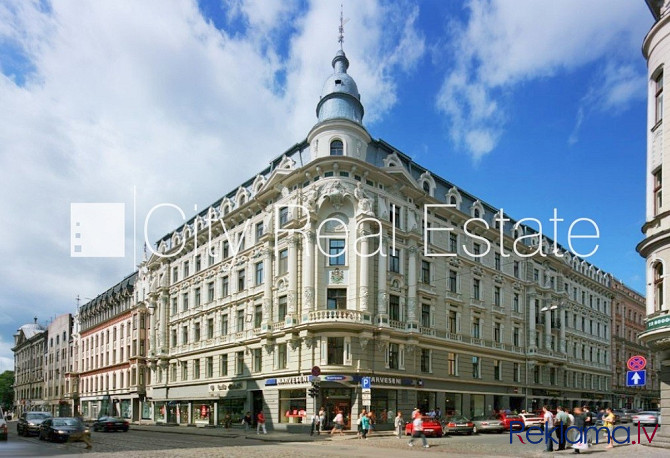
x=658 y=322
x=337 y=378
x=298 y=380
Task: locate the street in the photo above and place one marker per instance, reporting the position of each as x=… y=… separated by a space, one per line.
x=191 y=442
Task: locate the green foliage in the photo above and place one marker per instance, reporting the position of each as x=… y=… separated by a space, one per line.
x=6 y=390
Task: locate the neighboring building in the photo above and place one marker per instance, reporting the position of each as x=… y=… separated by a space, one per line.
x=111 y=347
x=240 y=327
x=629 y=316
x=56 y=366
x=656 y=244
x=29 y=347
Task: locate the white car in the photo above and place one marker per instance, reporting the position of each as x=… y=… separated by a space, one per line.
x=3 y=426
x=648 y=417
x=531 y=419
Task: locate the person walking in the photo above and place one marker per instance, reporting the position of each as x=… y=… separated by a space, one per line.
x=365 y=426
x=563 y=421
x=359 y=432
x=322 y=419
x=372 y=418
x=608 y=422
x=548 y=424
x=417 y=431
x=581 y=439
x=260 y=419
x=246 y=421
x=338 y=423
x=399 y=424
x=315 y=424
x=588 y=421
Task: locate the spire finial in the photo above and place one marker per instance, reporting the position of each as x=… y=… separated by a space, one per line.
x=340 y=39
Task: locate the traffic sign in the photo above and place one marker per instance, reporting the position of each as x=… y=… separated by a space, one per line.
x=316 y=371
x=367 y=398
x=365 y=382
x=637 y=363
x=636 y=378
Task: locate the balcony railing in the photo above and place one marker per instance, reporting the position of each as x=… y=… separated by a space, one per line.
x=352 y=316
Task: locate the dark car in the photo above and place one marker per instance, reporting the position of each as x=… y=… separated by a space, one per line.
x=29 y=422
x=458 y=424
x=111 y=424
x=61 y=429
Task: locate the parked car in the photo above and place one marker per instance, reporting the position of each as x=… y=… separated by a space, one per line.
x=531 y=419
x=3 y=426
x=622 y=416
x=61 y=429
x=29 y=422
x=111 y=424
x=458 y=424
x=648 y=417
x=508 y=418
x=488 y=424
x=431 y=427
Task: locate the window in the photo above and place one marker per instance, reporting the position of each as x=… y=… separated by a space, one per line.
x=184 y=370
x=453 y=281
x=184 y=335
x=658 y=191
x=174 y=306
x=476 y=295
x=336 y=350
x=224 y=286
x=173 y=338
x=240 y=320
x=226 y=249
x=257 y=359
x=224 y=325
x=536 y=277
x=496 y=296
x=395 y=215
x=336 y=252
x=198 y=263
x=239 y=362
x=260 y=230
x=209 y=367
x=515 y=303
x=477 y=251
x=241 y=284
x=281 y=356
x=210 y=291
x=184 y=302
x=196 y=369
x=394 y=356
x=516 y=336
x=429 y=232
x=425 y=315
x=223 y=365
x=336 y=148
x=283 y=261
x=476 y=367
x=517 y=372
x=197 y=297
x=452 y=321
x=425 y=272
x=259 y=273
x=516 y=269
x=497 y=370
x=425 y=360
x=497 y=332
x=175 y=275
x=258 y=316
x=185 y=269
x=394 y=261
x=281 y=308
x=659 y=97
x=283 y=216
x=210 y=257
x=476 y=327
x=453 y=243
x=210 y=328
x=497 y=261
x=196 y=332
x=337 y=299
x=394 y=307
x=537 y=376
x=452 y=364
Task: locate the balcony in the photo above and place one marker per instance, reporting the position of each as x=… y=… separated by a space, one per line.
x=394 y=324
x=346 y=316
x=427 y=331
x=452 y=296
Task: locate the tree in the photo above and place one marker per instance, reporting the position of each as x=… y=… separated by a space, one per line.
x=6 y=390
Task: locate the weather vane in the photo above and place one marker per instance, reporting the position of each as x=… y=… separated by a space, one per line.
x=340 y=39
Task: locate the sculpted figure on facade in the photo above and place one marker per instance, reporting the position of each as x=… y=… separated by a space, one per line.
x=364 y=203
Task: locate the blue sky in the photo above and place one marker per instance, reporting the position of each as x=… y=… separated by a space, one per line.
x=528 y=108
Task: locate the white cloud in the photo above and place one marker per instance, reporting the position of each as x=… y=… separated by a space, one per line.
x=506 y=43
x=153 y=95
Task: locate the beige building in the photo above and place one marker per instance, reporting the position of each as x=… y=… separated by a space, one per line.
x=56 y=366
x=29 y=348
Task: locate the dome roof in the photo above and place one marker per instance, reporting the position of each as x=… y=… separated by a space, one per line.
x=340 y=98
x=31 y=329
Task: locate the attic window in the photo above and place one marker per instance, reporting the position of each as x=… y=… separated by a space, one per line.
x=338 y=81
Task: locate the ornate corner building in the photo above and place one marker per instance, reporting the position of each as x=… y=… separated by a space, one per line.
x=347 y=255
x=29 y=345
x=656 y=244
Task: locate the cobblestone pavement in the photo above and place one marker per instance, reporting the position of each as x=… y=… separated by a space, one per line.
x=205 y=444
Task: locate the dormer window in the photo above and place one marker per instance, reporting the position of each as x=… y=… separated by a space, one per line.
x=336 y=148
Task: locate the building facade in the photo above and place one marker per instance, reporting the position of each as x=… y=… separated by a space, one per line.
x=109 y=377
x=29 y=347
x=346 y=255
x=655 y=247
x=56 y=366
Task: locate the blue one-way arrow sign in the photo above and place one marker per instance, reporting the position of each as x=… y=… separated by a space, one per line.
x=636 y=378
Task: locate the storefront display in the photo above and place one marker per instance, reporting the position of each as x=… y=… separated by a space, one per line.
x=384 y=405
x=203 y=413
x=292 y=406
x=230 y=411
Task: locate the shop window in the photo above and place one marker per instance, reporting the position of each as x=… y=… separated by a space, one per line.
x=292 y=406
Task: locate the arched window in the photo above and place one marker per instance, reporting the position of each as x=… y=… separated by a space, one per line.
x=426 y=187
x=452 y=200
x=476 y=213
x=658 y=286
x=336 y=148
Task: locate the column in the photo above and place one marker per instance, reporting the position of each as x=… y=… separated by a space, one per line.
x=292 y=279
x=164 y=313
x=267 y=287
x=547 y=328
x=364 y=270
x=411 y=288
x=531 y=318
x=308 y=261
x=382 y=296
x=563 y=319
x=152 y=327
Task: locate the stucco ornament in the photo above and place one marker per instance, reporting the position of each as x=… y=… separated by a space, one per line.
x=364 y=203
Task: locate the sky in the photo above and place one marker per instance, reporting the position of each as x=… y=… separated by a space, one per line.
x=529 y=106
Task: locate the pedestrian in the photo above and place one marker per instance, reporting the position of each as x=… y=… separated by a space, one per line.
x=608 y=422
x=417 y=431
x=373 y=421
x=246 y=421
x=260 y=419
x=399 y=424
x=316 y=424
x=438 y=414
x=588 y=421
x=322 y=419
x=338 y=423
x=548 y=424
x=581 y=441
x=563 y=421
x=359 y=427
x=365 y=426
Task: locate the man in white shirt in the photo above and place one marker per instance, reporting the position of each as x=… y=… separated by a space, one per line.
x=548 y=425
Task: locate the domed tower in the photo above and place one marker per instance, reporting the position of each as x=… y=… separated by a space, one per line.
x=339 y=129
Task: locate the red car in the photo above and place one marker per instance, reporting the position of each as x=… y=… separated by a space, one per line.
x=508 y=418
x=431 y=427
